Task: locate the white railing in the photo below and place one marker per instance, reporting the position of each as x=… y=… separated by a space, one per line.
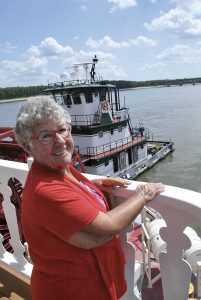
x=14 y=263
x=178 y=207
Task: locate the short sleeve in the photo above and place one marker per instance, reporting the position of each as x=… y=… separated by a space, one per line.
x=63 y=210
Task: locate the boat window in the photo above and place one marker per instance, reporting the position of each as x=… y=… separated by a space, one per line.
x=67 y=99
x=115 y=164
x=58 y=98
x=76 y=98
x=112 y=130
x=88 y=97
x=106 y=162
x=122 y=160
x=135 y=154
x=129 y=156
x=102 y=94
x=100 y=134
x=120 y=128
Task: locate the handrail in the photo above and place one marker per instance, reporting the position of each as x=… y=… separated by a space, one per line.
x=90 y=119
x=108 y=148
x=85 y=120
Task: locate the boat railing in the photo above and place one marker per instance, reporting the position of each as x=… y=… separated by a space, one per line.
x=92 y=119
x=157 y=138
x=69 y=83
x=66 y=83
x=109 y=148
x=86 y=120
x=178 y=207
x=121 y=114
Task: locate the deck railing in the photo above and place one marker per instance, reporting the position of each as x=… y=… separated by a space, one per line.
x=110 y=148
x=179 y=208
x=91 y=119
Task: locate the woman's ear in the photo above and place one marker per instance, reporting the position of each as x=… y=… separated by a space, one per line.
x=27 y=148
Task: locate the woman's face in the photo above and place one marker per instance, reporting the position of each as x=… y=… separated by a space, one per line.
x=52 y=145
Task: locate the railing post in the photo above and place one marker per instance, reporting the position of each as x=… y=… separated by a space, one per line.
x=9 y=209
x=179 y=208
x=133 y=270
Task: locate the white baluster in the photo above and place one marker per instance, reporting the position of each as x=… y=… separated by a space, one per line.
x=18 y=171
x=11 y=219
x=175 y=271
x=179 y=208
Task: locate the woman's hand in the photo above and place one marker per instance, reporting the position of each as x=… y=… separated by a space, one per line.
x=149 y=191
x=106 y=225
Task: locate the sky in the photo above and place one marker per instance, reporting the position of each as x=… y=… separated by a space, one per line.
x=138 y=40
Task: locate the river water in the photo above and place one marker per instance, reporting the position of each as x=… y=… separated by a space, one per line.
x=169 y=113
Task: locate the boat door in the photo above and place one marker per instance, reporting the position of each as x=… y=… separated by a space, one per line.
x=122 y=160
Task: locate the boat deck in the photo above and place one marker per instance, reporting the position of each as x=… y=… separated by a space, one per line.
x=156 y=292
x=114 y=150
x=12 y=288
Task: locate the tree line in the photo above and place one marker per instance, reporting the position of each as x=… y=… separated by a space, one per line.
x=20 y=91
x=123 y=84
x=27 y=91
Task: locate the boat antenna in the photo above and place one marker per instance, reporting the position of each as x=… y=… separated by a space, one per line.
x=85 y=66
x=92 y=72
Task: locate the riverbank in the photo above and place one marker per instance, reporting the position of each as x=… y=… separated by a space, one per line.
x=12 y=100
x=158 y=86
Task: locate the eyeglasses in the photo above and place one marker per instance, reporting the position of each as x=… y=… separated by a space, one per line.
x=47 y=137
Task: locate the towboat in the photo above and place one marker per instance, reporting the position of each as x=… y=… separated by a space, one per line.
x=105 y=139
x=106 y=143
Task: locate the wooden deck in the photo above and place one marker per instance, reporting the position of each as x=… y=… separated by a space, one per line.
x=12 y=288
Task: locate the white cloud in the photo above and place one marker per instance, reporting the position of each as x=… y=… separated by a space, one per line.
x=195 y=29
x=122 y=4
x=7 y=47
x=25 y=68
x=192 y=6
x=142 y=40
x=171 y=20
x=102 y=70
x=180 y=20
x=13 y=67
x=181 y=54
x=152 y=66
x=86 y=56
x=30 y=72
x=108 y=42
x=49 y=47
x=111 y=71
x=34 y=67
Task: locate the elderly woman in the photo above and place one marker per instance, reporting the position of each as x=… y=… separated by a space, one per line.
x=72 y=235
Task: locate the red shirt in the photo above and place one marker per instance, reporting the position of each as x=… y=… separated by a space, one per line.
x=53 y=208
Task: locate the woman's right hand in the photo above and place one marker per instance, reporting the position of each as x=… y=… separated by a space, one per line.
x=149 y=191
